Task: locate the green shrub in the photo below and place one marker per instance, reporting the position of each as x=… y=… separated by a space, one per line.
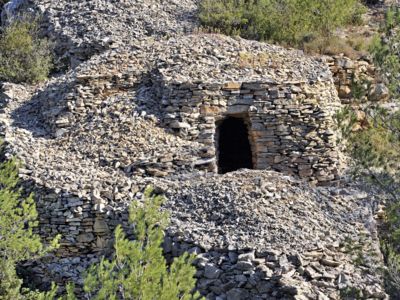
x=375 y=147
x=358 y=12
x=375 y=150
x=385 y=52
x=139 y=270
x=393 y=270
x=24 y=56
x=353 y=46
x=289 y=22
x=17 y=240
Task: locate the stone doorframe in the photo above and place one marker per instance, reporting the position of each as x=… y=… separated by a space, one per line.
x=247 y=121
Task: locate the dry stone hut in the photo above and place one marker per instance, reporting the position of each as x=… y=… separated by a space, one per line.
x=254 y=105
x=249 y=104
x=92 y=139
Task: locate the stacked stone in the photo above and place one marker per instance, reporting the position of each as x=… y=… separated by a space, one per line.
x=256 y=234
x=80 y=179
x=188 y=84
x=136 y=111
x=241 y=275
x=85 y=28
x=357 y=78
x=291 y=126
x=260 y=235
x=81 y=92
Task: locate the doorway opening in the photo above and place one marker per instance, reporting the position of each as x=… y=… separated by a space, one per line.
x=233 y=146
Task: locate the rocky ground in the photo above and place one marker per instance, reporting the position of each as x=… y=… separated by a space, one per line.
x=83 y=28
x=277 y=236
x=263 y=235
x=258 y=234
x=264 y=209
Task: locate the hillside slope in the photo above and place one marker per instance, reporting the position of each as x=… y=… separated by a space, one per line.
x=139 y=103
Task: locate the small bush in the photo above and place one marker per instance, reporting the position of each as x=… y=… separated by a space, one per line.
x=353 y=46
x=358 y=13
x=359 y=42
x=18 y=242
x=24 y=56
x=287 y=22
x=393 y=269
x=139 y=269
x=385 y=51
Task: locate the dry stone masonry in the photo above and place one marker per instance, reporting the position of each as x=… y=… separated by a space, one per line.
x=144 y=103
x=357 y=80
x=258 y=235
x=288 y=101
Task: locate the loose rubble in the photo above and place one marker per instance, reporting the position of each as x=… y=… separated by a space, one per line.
x=260 y=235
x=263 y=235
x=140 y=106
x=84 y=28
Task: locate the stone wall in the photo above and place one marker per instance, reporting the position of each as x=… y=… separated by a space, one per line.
x=357 y=80
x=291 y=127
x=80 y=94
x=92 y=139
x=248 y=245
x=145 y=110
x=290 y=118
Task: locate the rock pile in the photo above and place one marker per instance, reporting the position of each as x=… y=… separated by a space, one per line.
x=267 y=236
x=187 y=85
x=357 y=80
x=261 y=235
x=138 y=110
x=84 y=28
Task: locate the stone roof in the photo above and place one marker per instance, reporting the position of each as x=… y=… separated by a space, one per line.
x=84 y=28
x=214 y=58
x=111 y=143
x=210 y=59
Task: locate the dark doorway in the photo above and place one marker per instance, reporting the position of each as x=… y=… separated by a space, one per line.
x=233 y=144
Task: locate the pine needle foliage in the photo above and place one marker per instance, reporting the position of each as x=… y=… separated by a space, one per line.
x=139 y=269
x=18 y=242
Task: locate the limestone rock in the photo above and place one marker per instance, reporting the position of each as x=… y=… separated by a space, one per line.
x=379 y=93
x=141 y=105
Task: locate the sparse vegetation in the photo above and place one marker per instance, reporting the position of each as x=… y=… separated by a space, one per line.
x=293 y=22
x=17 y=240
x=24 y=56
x=386 y=52
x=353 y=46
x=352 y=293
x=139 y=269
x=375 y=148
